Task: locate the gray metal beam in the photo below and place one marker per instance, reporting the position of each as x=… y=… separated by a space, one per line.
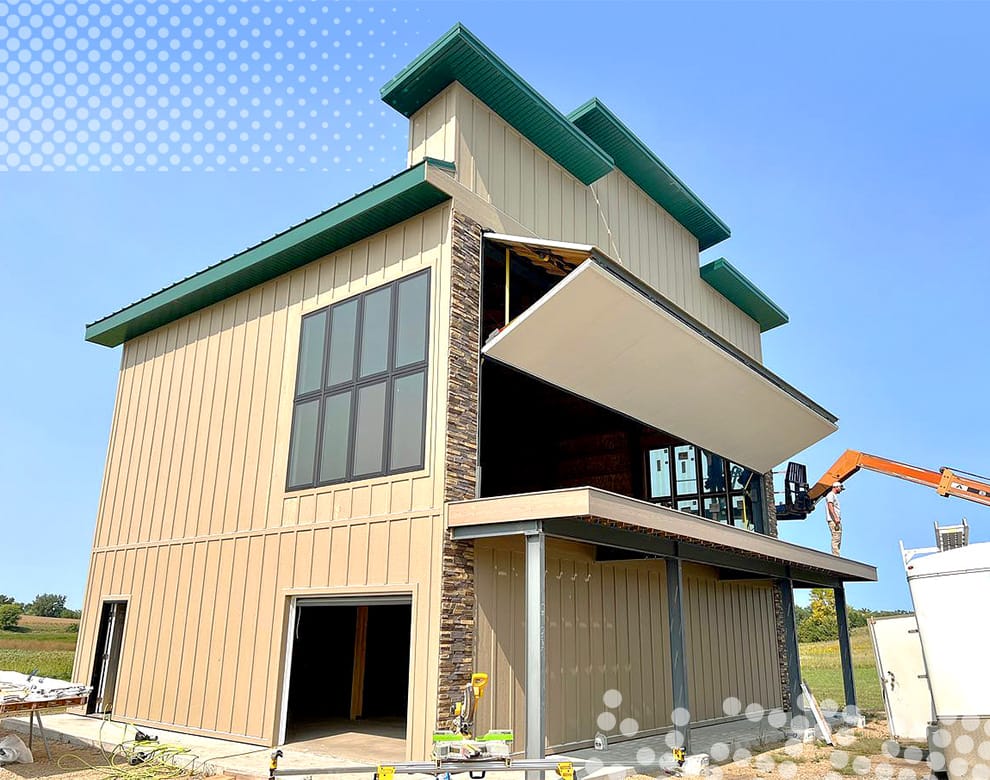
x=487 y=530
x=790 y=640
x=579 y=529
x=697 y=553
x=678 y=646
x=536 y=656
x=845 y=649
x=812 y=578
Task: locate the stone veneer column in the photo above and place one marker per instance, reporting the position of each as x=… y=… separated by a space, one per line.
x=770 y=521
x=457 y=595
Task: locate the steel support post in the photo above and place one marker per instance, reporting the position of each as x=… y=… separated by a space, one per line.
x=845 y=649
x=678 y=648
x=536 y=656
x=790 y=640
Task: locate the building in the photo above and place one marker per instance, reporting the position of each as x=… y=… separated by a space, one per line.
x=488 y=414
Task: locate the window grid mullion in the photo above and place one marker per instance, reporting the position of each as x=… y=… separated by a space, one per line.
x=393 y=328
x=356 y=383
x=318 y=458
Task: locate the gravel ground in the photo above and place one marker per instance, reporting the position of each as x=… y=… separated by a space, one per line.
x=866 y=752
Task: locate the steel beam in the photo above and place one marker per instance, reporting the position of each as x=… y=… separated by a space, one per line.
x=790 y=640
x=845 y=649
x=580 y=530
x=678 y=647
x=489 y=530
x=536 y=656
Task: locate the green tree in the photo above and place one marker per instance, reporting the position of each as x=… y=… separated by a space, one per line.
x=5 y=599
x=820 y=623
x=46 y=605
x=9 y=615
x=822 y=604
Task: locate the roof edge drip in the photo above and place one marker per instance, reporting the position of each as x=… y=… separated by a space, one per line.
x=734 y=285
x=460 y=56
x=386 y=204
x=637 y=161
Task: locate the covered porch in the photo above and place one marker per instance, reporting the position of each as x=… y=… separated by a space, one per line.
x=691 y=571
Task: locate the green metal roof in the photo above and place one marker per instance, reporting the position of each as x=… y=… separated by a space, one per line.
x=636 y=161
x=728 y=280
x=460 y=56
x=384 y=205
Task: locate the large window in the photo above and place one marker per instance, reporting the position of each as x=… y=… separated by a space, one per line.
x=690 y=479
x=360 y=401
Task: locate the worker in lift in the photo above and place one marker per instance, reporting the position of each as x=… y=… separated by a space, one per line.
x=834 y=516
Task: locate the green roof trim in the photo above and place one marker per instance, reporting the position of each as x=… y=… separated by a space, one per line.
x=729 y=281
x=459 y=56
x=386 y=204
x=639 y=163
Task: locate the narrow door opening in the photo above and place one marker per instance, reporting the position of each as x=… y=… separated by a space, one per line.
x=107 y=660
x=349 y=679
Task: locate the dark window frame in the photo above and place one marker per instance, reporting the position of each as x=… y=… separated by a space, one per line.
x=388 y=376
x=700 y=493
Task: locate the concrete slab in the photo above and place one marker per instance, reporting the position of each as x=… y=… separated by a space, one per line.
x=210 y=756
x=719 y=740
x=375 y=740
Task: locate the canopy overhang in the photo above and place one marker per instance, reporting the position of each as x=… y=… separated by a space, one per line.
x=607 y=519
x=599 y=335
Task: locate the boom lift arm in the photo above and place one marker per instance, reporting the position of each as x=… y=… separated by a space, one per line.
x=945 y=481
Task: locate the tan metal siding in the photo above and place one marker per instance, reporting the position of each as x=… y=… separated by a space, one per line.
x=517 y=178
x=731 y=643
x=195 y=526
x=607 y=628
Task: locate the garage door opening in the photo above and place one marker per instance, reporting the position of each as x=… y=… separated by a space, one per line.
x=349 y=677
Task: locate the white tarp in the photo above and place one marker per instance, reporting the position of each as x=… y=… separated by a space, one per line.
x=14 y=751
x=17 y=687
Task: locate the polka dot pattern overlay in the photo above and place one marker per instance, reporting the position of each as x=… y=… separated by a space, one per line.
x=201 y=85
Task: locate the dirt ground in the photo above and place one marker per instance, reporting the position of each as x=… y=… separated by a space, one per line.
x=70 y=768
x=866 y=752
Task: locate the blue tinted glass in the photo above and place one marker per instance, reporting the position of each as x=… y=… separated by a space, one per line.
x=302 y=452
x=311 y=342
x=343 y=328
x=374 y=331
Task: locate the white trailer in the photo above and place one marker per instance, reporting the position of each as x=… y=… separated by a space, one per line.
x=950 y=589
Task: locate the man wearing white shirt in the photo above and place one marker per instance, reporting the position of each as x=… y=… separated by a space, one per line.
x=834 y=516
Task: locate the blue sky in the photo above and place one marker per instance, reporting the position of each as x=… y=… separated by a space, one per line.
x=844 y=144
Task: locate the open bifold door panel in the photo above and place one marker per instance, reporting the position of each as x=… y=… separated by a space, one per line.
x=598 y=335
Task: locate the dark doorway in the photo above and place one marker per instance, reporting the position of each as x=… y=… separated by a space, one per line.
x=107 y=661
x=349 y=672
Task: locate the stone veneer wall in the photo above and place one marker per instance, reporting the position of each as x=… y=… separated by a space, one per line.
x=770 y=507
x=778 y=604
x=460 y=475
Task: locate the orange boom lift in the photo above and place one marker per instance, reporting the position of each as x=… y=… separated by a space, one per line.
x=800 y=499
x=946 y=481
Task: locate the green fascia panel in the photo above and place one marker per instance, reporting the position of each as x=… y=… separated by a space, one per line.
x=384 y=205
x=728 y=280
x=639 y=163
x=460 y=56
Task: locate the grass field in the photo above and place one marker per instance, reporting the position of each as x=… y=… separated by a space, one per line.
x=43 y=644
x=821 y=670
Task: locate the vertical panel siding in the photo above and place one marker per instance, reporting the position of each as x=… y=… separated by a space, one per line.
x=606 y=627
x=731 y=643
x=504 y=168
x=195 y=526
